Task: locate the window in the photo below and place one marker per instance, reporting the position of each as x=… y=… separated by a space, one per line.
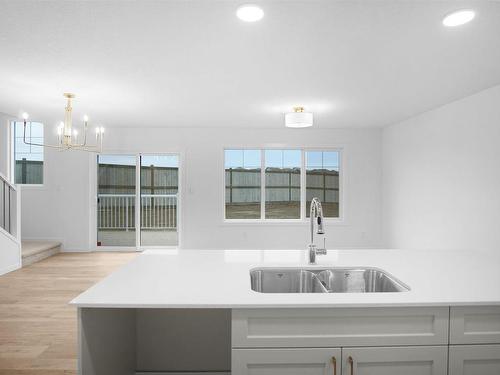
x=322 y=181
x=28 y=159
x=280 y=184
x=243 y=184
x=283 y=184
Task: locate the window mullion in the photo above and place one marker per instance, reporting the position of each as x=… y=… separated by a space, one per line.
x=138 y=207
x=262 y=185
x=303 y=186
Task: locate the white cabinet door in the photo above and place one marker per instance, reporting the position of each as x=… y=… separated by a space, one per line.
x=423 y=360
x=475 y=360
x=475 y=325
x=311 y=361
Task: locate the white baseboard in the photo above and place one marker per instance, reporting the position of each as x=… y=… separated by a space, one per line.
x=183 y=373
x=119 y=249
x=76 y=250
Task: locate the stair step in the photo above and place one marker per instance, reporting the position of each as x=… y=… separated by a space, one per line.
x=34 y=251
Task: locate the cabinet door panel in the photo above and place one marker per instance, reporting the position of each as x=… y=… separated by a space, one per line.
x=475 y=360
x=475 y=325
x=425 y=360
x=313 y=361
x=289 y=328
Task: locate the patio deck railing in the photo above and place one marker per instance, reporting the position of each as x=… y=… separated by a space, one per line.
x=117 y=211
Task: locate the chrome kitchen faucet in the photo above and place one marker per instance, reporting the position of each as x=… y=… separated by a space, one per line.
x=316 y=214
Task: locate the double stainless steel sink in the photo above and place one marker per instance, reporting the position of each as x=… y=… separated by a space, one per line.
x=331 y=280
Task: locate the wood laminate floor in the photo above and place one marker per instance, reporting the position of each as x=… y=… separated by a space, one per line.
x=37 y=326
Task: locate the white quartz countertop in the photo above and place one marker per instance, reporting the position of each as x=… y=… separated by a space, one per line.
x=220 y=279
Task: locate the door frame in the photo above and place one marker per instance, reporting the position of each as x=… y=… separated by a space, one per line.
x=93 y=181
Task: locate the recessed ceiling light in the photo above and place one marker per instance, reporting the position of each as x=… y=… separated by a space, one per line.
x=459 y=17
x=250 y=13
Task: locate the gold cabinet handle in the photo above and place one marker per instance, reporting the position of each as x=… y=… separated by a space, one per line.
x=334 y=365
x=351 y=363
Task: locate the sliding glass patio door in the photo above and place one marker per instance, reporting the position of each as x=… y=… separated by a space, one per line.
x=137 y=200
x=159 y=200
x=116 y=200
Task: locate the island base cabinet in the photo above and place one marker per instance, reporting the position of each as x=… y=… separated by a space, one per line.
x=310 y=361
x=424 y=360
x=474 y=360
x=418 y=360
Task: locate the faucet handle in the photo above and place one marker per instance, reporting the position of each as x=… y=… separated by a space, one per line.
x=323 y=250
x=324 y=243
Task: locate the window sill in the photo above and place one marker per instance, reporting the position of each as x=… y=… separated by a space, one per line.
x=281 y=222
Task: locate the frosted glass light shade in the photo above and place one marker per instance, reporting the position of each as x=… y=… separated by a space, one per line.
x=298 y=119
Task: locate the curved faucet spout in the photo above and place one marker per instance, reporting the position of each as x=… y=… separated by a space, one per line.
x=316 y=214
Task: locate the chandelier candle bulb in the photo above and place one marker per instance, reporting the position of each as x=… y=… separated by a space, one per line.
x=60 y=130
x=101 y=136
x=59 y=133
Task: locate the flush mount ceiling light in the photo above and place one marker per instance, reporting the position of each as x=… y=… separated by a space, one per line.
x=459 y=17
x=250 y=13
x=67 y=137
x=298 y=118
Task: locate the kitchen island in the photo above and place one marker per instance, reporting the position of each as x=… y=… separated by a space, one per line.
x=193 y=311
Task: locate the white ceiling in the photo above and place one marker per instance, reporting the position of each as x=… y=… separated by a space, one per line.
x=193 y=63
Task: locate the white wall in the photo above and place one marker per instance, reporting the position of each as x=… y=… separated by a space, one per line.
x=441 y=177
x=61 y=209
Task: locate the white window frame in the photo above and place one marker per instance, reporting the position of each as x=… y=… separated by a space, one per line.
x=303 y=217
x=12 y=158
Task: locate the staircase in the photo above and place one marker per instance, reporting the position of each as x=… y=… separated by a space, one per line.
x=10 y=222
x=34 y=251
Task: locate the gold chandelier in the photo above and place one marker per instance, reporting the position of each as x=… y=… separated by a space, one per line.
x=67 y=137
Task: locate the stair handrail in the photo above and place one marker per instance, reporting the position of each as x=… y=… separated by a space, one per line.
x=6 y=180
x=14 y=229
